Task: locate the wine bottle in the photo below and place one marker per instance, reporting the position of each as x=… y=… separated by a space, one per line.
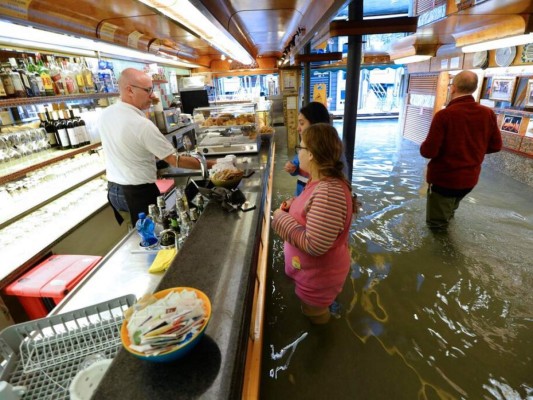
x=82 y=127
x=71 y=130
x=62 y=133
x=49 y=128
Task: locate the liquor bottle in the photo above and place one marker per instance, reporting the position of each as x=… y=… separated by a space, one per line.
x=163 y=214
x=32 y=68
x=70 y=78
x=174 y=222
x=18 y=86
x=62 y=133
x=87 y=77
x=26 y=86
x=82 y=128
x=24 y=70
x=57 y=77
x=3 y=93
x=77 y=68
x=49 y=128
x=71 y=130
x=45 y=76
x=7 y=81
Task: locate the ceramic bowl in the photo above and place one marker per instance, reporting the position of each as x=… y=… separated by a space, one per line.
x=180 y=350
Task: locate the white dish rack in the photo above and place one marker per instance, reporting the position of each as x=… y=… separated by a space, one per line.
x=44 y=355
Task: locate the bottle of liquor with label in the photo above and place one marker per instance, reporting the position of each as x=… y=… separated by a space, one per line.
x=32 y=68
x=87 y=78
x=28 y=76
x=7 y=81
x=78 y=73
x=62 y=133
x=18 y=86
x=70 y=78
x=3 y=93
x=57 y=77
x=45 y=76
x=26 y=86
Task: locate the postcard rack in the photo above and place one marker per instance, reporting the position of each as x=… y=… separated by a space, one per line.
x=44 y=355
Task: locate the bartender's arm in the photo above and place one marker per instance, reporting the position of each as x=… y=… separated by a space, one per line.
x=186 y=162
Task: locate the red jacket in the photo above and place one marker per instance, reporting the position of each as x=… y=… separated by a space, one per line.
x=458 y=139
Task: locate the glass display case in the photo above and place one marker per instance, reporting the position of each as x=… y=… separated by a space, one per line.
x=227 y=129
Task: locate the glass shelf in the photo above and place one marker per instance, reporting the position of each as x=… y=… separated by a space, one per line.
x=33 y=234
x=40 y=160
x=21 y=197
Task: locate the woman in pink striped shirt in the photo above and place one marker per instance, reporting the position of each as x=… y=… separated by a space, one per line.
x=315 y=225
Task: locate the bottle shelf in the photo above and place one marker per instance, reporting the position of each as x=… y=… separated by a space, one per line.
x=23 y=101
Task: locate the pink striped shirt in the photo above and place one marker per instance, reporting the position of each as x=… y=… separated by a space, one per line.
x=316 y=234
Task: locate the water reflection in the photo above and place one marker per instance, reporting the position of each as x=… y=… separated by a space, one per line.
x=425 y=316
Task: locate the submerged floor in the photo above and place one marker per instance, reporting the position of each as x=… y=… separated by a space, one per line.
x=425 y=316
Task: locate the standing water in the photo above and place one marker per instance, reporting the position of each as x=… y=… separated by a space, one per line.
x=424 y=316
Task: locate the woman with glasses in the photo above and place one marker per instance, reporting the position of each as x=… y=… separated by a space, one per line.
x=312 y=113
x=131 y=144
x=316 y=226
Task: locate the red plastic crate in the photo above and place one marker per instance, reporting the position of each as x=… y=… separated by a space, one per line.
x=45 y=285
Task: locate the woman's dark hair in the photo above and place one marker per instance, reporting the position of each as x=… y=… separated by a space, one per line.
x=315 y=113
x=323 y=141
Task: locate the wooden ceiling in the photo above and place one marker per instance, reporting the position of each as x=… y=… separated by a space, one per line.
x=262 y=27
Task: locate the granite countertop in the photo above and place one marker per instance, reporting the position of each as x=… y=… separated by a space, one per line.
x=219 y=258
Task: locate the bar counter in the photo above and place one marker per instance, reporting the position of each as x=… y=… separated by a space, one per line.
x=219 y=258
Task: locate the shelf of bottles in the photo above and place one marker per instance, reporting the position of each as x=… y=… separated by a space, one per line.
x=24 y=81
x=36 y=232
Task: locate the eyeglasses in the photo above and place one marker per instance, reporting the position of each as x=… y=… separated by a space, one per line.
x=298 y=148
x=149 y=91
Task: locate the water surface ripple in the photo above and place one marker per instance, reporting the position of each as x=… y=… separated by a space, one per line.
x=425 y=316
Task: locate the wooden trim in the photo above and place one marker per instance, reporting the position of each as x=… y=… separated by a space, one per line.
x=252 y=371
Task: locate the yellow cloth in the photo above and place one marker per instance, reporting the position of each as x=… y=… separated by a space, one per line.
x=162 y=260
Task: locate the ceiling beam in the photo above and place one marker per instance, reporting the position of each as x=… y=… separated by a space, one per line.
x=373 y=26
x=333 y=56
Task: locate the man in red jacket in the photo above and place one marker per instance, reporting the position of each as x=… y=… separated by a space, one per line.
x=459 y=137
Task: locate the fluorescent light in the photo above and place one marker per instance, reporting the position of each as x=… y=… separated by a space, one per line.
x=32 y=38
x=188 y=15
x=499 y=43
x=412 y=59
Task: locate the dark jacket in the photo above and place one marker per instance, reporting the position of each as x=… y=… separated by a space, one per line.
x=458 y=139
